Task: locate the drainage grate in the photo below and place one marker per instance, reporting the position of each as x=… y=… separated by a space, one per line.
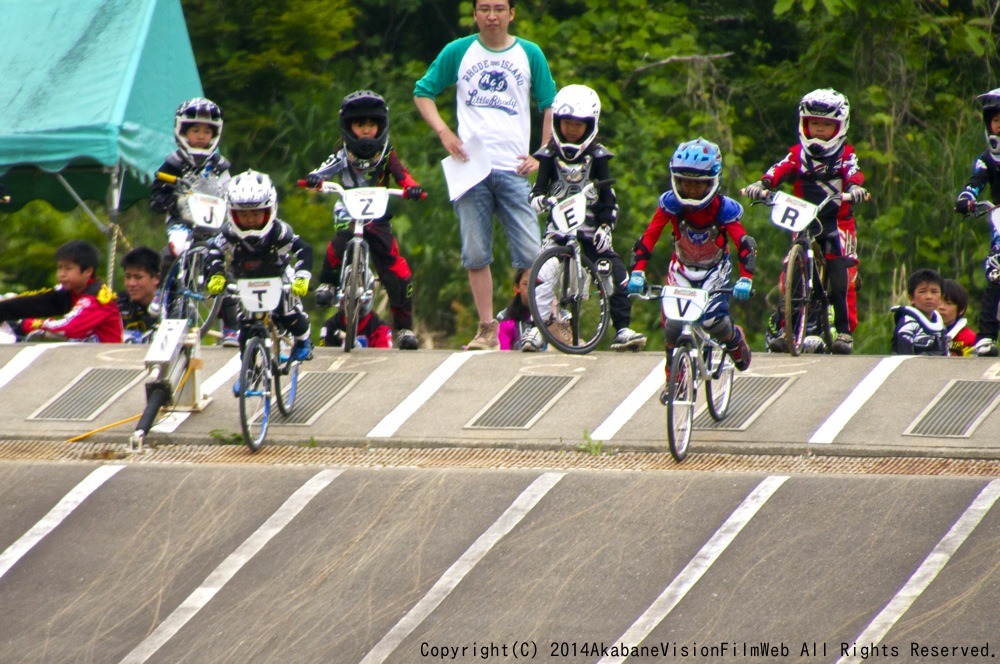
x=751 y=395
x=958 y=410
x=522 y=402
x=88 y=395
x=316 y=392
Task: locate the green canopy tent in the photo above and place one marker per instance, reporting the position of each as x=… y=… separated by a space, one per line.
x=88 y=90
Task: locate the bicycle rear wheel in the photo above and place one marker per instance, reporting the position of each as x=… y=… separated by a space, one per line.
x=570 y=308
x=189 y=299
x=286 y=373
x=680 y=402
x=255 y=393
x=351 y=303
x=718 y=390
x=797 y=294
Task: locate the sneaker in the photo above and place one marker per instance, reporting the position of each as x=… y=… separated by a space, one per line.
x=986 y=348
x=302 y=350
x=406 y=339
x=486 y=337
x=813 y=344
x=560 y=330
x=738 y=349
x=532 y=341
x=843 y=344
x=628 y=339
x=777 y=345
x=230 y=337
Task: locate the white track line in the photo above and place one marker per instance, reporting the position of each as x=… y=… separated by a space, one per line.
x=928 y=570
x=627 y=408
x=864 y=390
x=391 y=422
x=56 y=515
x=230 y=566
x=172 y=420
x=694 y=570
x=451 y=578
x=22 y=361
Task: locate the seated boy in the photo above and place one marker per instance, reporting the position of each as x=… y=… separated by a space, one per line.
x=919 y=328
x=81 y=308
x=142 y=278
x=954 y=302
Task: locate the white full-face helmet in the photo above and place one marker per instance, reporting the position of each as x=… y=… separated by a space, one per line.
x=252 y=191
x=575 y=102
x=826 y=104
x=991 y=107
x=197 y=111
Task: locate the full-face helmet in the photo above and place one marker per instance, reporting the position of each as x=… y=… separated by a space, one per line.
x=251 y=191
x=991 y=106
x=827 y=104
x=697 y=160
x=194 y=111
x=575 y=102
x=364 y=153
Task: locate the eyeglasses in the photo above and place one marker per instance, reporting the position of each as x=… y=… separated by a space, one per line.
x=486 y=10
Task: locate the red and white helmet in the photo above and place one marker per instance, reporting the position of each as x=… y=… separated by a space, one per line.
x=827 y=104
x=991 y=106
x=575 y=102
x=252 y=191
x=197 y=111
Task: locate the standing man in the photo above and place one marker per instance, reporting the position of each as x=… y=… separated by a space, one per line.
x=495 y=75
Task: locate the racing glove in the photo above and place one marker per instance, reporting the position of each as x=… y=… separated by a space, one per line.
x=859 y=194
x=216 y=284
x=414 y=193
x=741 y=291
x=314 y=180
x=965 y=203
x=602 y=239
x=542 y=204
x=637 y=282
x=755 y=191
x=324 y=295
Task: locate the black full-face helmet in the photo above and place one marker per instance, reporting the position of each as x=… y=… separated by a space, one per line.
x=197 y=111
x=364 y=153
x=991 y=107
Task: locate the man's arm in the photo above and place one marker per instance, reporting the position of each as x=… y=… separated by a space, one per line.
x=429 y=112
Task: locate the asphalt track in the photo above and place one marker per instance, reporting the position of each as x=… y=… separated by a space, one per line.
x=120 y=557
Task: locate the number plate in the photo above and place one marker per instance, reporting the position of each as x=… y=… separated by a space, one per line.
x=792 y=213
x=366 y=203
x=569 y=214
x=259 y=295
x=683 y=304
x=204 y=211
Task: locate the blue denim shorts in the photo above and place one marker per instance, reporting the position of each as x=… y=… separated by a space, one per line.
x=504 y=193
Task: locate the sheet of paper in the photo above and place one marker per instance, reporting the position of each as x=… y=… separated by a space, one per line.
x=464 y=175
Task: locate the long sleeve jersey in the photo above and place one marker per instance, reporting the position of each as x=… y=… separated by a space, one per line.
x=338 y=168
x=261 y=257
x=555 y=175
x=88 y=316
x=814 y=179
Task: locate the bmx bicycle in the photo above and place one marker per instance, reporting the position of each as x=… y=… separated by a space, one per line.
x=568 y=293
x=696 y=361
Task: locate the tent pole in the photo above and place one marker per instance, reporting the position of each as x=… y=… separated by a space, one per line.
x=114 y=199
x=79 y=201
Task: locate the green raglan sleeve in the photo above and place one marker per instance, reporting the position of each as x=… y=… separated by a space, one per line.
x=443 y=72
x=542 y=85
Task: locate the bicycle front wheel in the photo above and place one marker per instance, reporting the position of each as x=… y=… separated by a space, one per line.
x=353 y=285
x=680 y=402
x=797 y=294
x=255 y=393
x=719 y=389
x=286 y=375
x=189 y=299
x=569 y=306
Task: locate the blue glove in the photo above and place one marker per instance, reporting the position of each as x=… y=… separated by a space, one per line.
x=741 y=291
x=637 y=282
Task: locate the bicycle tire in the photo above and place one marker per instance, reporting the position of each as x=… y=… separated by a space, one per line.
x=190 y=300
x=286 y=373
x=255 y=393
x=352 y=298
x=797 y=294
x=719 y=389
x=586 y=309
x=680 y=402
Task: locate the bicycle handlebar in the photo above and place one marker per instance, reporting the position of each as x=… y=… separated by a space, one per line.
x=768 y=199
x=327 y=187
x=655 y=291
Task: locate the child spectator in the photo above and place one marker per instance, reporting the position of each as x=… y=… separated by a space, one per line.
x=261 y=245
x=986 y=171
x=823 y=163
x=701 y=220
x=566 y=164
x=367 y=160
x=954 y=301
x=197 y=132
x=81 y=308
x=142 y=278
x=919 y=328
x=373 y=332
x=515 y=331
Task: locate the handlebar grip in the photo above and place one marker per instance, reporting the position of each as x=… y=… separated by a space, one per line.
x=302 y=183
x=604 y=183
x=166 y=177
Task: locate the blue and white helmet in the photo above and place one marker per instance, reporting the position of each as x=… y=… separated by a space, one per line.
x=697 y=160
x=826 y=104
x=991 y=106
